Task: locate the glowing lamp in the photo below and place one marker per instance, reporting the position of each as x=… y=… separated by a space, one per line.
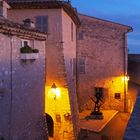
x=125 y=78
x=55 y=91
x=53 y=88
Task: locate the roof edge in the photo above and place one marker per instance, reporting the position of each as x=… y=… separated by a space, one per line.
x=129 y=28
x=48 y=5
x=9 y=27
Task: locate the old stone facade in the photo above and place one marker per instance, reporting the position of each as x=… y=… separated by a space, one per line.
x=102 y=62
x=133 y=127
x=134 y=76
x=100 y=52
x=22 y=84
x=134 y=68
x=62 y=22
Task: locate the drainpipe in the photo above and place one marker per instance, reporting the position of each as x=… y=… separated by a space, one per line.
x=125 y=73
x=130 y=29
x=11 y=87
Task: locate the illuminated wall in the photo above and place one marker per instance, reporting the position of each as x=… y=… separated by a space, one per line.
x=58 y=107
x=60 y=50
x=103 y=46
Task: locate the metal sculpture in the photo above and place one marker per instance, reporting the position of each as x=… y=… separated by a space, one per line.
x=98 y=100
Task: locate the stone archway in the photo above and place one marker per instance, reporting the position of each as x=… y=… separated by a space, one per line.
x=50 y=125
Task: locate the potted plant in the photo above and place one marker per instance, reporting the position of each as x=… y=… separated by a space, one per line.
x=28 y=53
x=35 y=53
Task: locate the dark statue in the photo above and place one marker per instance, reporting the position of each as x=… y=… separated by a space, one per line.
x=98 y=100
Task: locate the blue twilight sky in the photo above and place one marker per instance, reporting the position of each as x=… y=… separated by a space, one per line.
x=121 y=11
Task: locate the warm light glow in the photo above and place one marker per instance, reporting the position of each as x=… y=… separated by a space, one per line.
x=125 y=78
x=57 y=104
x=53 y=88
x=57 y=93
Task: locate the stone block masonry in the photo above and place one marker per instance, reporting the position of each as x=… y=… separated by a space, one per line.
x=102 y=44
x=21 y=91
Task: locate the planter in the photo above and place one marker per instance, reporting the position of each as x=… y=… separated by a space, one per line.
x=35 y=55
x=29 y=56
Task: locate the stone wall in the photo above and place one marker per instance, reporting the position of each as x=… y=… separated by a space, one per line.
x=5 y=90
x=134 y=68
x=22 y=91
x=60 y=52
x=69 y=39
x=102 y=44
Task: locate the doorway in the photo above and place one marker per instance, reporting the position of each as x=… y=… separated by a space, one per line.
x=50 y=125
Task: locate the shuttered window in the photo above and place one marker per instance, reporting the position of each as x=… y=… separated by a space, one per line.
x=81 y=67
x=42 y=23
x=81 y=35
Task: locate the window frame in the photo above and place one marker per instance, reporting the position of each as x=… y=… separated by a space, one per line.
x=82 y=65
x=23 y=40
x=81 y=35
x=41 y=25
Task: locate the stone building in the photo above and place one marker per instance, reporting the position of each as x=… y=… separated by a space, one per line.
x=60 y=20
x=21 y=95
x=133 y=127
x=102 y=62
x=133 y=72
x=134 y=67
x=101 y=50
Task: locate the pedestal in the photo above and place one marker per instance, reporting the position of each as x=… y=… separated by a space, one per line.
x=95 y=116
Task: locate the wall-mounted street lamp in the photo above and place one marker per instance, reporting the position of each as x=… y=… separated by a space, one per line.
x=55 y=91
x=53 y=87
x=125 y=78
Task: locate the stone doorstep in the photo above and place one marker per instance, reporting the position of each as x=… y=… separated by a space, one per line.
x=98 y=125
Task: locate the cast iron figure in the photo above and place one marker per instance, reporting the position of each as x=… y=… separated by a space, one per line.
x=98 y=100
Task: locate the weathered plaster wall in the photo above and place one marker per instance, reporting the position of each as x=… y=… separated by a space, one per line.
x=55 y=59
x=69 y=39
x=103 y=49
x=5 y=81
x=22 y=99
x=59 y=53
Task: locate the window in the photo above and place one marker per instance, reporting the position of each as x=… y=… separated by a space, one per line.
x=117 y=95
x=1 y=12
x=81 y=65
x=81 y=35
x=42 y=23
x=73 y=66
x=71 y=31
x=25 y=42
